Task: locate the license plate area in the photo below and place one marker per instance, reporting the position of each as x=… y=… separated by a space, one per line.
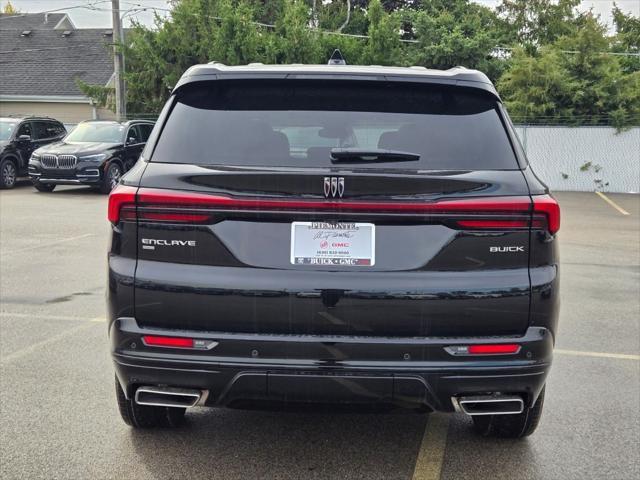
x=333 y=243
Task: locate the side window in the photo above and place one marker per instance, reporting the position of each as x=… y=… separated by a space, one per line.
x=41 y=130
x=134 y=134
x=25 y=129
x=145 y=130
x=55 y=129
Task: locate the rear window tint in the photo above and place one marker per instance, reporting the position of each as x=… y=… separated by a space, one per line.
x=296 y=123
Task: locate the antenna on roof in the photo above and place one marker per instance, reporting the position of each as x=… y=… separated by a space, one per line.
x=336 y=58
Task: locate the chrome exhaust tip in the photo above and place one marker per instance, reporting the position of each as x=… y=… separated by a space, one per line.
x=496 y=404
x=168 y=397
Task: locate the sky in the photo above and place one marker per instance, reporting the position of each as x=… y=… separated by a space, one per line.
x=97 y=14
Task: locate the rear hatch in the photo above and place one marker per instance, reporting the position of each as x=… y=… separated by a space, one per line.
x=333 y=208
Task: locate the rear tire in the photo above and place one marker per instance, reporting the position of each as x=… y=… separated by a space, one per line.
x=8 y=173
x=43 y=187
x=144 y=416
x=510 y=426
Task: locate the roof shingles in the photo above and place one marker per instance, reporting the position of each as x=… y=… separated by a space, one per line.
x=48 y=63
x=31 y=21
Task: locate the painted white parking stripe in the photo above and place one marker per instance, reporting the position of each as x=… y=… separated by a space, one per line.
x=42 y=317
x=431 y=454
x=38 y=346
x=580 y=353
x=48 y=244
x=612 y=203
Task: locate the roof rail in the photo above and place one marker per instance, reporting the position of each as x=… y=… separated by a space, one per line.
x=19 y=115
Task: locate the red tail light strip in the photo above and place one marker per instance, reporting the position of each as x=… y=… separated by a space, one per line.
x=158 y=197
x=175 y=342
x=149 y=198
x=484 y=349
x=120 y=196
x=493 y=223
x=500 y=349
x=178 y=342
x=548 y=206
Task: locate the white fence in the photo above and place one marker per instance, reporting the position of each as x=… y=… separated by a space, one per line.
x=584 y=158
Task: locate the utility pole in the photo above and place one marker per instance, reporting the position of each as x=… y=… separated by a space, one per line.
x=118 y=62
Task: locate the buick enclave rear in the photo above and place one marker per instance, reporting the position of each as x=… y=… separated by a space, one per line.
x=333 y=235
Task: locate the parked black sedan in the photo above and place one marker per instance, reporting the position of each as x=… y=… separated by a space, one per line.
x=95 y=153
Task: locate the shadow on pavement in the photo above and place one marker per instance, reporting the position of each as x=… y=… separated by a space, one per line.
x=248 y=444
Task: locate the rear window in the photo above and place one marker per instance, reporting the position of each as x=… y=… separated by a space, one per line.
x=296 y=123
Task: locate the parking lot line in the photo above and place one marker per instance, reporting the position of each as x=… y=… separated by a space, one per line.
x=612 y=203
x=43 y=317
x=431 y=454
x=35 y=247
x=35 y=347
x=580 y=353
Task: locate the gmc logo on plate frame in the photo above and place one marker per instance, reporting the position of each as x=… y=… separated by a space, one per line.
x=333 y=187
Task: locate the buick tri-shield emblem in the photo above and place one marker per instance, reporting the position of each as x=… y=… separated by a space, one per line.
x=333 y=187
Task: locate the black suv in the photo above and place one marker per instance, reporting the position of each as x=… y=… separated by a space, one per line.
x=367 y=236
x=96 y=153
x=19 y=137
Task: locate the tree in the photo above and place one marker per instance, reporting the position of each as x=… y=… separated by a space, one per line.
x=9 y=9
x=383 y=47
x=575 y=80
x=532 y=23
x=452 y=33
x=294 y=41
x=560 y=69
x=537 y=87
x=627 y=39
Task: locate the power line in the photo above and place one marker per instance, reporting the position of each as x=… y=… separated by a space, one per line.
x=92 y=6
x=87 y=5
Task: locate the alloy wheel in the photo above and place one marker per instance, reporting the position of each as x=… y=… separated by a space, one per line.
x=9 y=174
x=114 y=175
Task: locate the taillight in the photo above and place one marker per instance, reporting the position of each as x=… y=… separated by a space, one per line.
x=497 y=349
x=149 y=198
x=484 y=349
x=548 y=206
x=490 y=224
x=121 y=196
x=175 y=342
x=178 y=342
x=485 y=213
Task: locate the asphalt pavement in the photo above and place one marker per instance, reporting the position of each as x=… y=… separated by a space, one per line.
x=58 y=415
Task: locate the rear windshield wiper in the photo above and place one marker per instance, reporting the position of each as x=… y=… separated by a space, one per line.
x=360 y=155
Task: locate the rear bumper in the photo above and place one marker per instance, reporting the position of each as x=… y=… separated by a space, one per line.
x=405 y=372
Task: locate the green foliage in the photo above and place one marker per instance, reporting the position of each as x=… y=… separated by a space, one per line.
x=383 y=47
x=294 y=41
x=101 y=96
x=452 y=33
x=557 y=67
x=537 y=87
x=627 y=39
x=572 y=81
x=9 y=9
x=531 y=23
